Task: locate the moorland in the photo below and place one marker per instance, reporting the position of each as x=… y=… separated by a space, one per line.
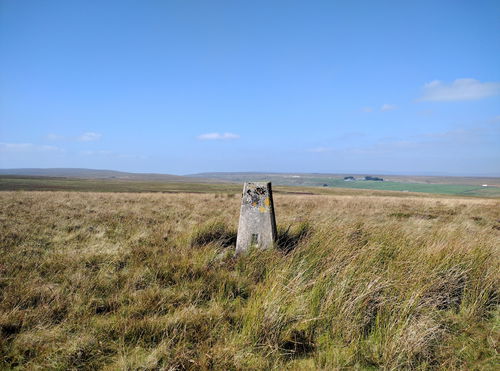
x=93 y=179
x=139 y=280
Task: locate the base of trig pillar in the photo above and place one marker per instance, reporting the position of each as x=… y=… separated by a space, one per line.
x=257 y=226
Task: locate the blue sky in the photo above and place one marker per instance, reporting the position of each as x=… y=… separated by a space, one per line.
x=290 y=86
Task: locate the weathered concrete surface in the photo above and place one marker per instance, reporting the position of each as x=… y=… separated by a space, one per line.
x=257 y=226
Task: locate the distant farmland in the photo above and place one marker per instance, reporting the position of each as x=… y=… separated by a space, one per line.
x=450 y=189
x=309 y=186
x=459 y=186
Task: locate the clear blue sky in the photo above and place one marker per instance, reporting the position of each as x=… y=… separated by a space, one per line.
x=292 y=86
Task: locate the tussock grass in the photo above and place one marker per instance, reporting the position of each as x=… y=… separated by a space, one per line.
x=149 y=281
x=214 y=231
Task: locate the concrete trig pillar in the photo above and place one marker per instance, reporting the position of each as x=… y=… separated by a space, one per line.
x=257 y=226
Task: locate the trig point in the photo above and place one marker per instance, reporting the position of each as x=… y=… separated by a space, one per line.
x=257 y=226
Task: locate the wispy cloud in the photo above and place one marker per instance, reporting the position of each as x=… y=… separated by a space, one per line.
x=465 y=139
x=89 y=137
x=388 y=107
x=367 y=109
x=54 y=137
x=459 y=90
x=321 y=149
x=455 y=134
x=426 y=112
x=111 y=154
x=97 y=153
x=27 y=147
x=218 y=136
x=352 y=135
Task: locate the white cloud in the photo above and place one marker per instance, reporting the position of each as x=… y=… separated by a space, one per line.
x=460 y=89
x=388 y=107
x=367 y=109
x=27 y=147
x=218 y=136
x=89 y=137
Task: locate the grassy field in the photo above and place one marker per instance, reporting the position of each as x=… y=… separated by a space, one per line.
x=336 y=187
x=449 y=189
x=459 y=186
x=34 y=183
x=149 y=281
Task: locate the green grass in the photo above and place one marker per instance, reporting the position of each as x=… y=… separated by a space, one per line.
x=449 y=189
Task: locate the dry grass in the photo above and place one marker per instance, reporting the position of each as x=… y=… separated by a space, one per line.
x=149 y=281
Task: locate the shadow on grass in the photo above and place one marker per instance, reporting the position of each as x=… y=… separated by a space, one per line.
x=213 y=232
x=297 y=345
x=288 y=239
x=217 y=232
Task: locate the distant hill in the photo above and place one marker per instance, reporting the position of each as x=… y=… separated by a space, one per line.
x=103 y=174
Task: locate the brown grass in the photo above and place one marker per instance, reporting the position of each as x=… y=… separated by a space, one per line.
x=149 y=281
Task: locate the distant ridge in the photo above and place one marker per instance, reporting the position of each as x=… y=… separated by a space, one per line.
x=103 y=174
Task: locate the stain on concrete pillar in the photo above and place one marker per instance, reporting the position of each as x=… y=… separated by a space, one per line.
x=257 y=226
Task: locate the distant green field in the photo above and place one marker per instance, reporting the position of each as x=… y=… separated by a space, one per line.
x=450 y=189
x=325 y=181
